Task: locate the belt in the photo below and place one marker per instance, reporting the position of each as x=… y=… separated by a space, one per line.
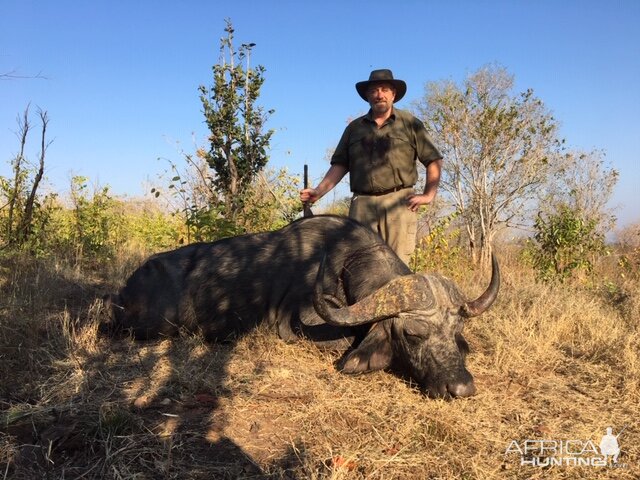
x=383 y=192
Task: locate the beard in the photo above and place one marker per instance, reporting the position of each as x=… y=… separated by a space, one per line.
x=380 y=108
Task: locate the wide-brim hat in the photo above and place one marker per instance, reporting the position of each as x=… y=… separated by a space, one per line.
x=384 y=75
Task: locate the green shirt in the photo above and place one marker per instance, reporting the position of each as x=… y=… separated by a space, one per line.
x=380 y=159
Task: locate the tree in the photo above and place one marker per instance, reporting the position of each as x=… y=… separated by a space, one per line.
x=237 y=144
x=271 y=201
x=499 y=149
x=585 y=184
x=628 y=237
x=16 y=194
x=564 y=241
x=628 y=243
x=26 y=224
x=191 y=195
x=573 y=217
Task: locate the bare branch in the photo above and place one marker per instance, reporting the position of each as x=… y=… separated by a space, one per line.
x=26 y=225
x=14 y=76
x=14 y=193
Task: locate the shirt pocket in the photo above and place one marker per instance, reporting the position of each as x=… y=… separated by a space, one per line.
x=361 y=147
x=402 y=148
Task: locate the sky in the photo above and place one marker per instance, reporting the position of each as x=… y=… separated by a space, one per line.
x=119 y=79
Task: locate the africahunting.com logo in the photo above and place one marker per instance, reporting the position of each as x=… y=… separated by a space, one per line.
x=568 y=453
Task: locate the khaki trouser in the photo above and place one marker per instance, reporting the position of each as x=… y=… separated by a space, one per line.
x=389 y=216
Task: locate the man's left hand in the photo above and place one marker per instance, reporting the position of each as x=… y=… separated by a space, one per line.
x=415 y=201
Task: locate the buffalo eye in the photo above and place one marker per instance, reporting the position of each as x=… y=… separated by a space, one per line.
x=415 y=338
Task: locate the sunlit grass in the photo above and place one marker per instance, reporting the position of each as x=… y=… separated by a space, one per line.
x=550 y=361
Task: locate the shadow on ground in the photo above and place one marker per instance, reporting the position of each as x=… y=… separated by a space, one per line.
x=76 y=405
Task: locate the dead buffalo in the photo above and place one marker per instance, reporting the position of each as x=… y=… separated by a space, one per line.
x=325 y=278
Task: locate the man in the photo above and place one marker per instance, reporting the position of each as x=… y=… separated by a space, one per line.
x=379 y=151
x=609 y=445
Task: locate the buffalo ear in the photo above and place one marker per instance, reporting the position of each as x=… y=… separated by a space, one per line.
x=109 y=301
x=373 y=353
x=108 y=323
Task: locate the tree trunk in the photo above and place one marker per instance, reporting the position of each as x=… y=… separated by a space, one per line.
x=14 y=194
x=26 y=225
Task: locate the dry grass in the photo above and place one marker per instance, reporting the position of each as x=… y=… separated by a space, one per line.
x=551 y=362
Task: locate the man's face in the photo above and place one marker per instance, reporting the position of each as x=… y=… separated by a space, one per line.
x=381 y=96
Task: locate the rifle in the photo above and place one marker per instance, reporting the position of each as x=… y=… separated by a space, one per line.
x=306 y=208
x=623 y=429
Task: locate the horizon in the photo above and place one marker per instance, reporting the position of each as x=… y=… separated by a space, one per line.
x=119 y=81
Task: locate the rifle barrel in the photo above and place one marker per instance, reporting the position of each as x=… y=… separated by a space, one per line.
x=306 y=209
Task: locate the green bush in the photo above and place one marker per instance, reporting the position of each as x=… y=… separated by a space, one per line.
x=564 y=243
x=440 y=249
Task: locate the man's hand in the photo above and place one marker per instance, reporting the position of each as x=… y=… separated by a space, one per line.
x=310 y=195
x=415 y=201
x=431 y=187
x=330 y=180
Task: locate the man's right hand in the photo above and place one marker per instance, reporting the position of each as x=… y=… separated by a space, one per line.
x=330 y=180
x=310 y=195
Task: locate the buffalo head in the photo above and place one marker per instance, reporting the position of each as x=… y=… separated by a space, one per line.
x=416 y=323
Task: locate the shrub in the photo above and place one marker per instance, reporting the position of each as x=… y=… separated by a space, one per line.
x=439 y=249
x=564 y=243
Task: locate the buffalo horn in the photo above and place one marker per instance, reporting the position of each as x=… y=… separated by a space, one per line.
x=484 y=301
x=402 y=294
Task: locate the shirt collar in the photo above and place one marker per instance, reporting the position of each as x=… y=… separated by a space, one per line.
x=369 y=117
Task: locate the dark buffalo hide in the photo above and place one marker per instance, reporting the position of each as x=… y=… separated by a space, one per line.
x=325 y=278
